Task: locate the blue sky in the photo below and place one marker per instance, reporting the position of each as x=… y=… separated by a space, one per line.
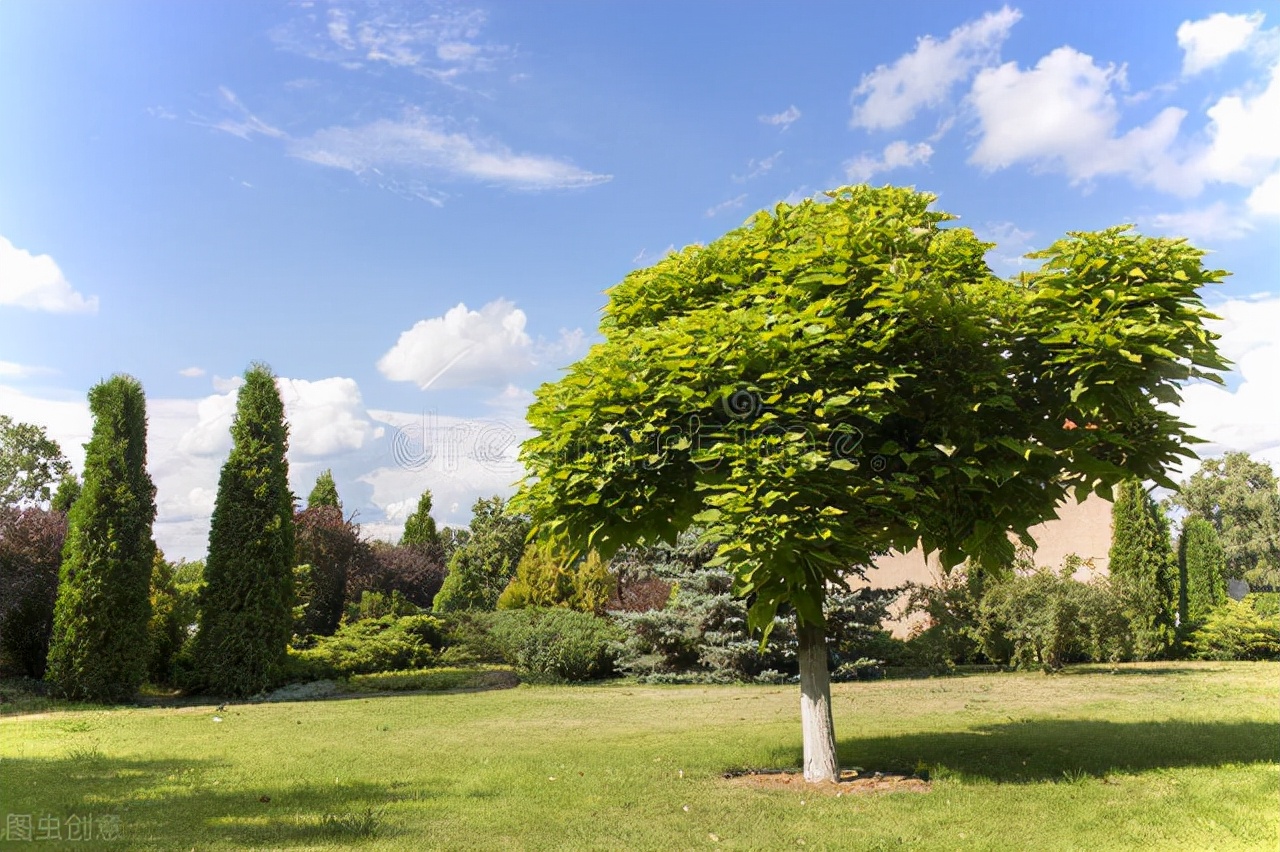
x=411 y=211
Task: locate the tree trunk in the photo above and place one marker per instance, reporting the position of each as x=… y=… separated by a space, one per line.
x=815 y=706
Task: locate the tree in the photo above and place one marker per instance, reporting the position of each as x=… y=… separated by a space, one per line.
x=174 y=610
x=483 y=566
x=839 y=378
x=325 y=493
x=1143 y=568
x=1241 y=498
x=420 y=528
x=246 y=604
x=31 y=463
x=547 y=578
x=100 y=650
x=415 y=574
x=31 y=542
x=328 y=543
x=68 y=492
x=1202 y=570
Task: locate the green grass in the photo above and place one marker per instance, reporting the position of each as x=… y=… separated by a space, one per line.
x=1162 y=756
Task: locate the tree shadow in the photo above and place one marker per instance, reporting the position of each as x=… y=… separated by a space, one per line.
x=172 y=804
x=1037 y=750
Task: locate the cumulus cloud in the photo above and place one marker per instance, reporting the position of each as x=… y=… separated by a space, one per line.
x=896 y=155
x=784 y=119
x=1244 y=418
x=191 y=372
x=421 y=143
x=326 y=417
x=35 y=282
x=1204 y=225
x=1265 y=198
x=466 y=348
x=891 y=95
x=1062 y=115
x=1209 y=41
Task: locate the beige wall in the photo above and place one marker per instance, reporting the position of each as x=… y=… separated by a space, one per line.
x=1081 y=528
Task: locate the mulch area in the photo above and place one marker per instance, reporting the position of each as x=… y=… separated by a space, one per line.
x=851 y=783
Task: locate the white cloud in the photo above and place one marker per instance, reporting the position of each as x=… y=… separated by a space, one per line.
x=241 y=122
x=419 y=142
x=1011 y=244
x=1244 y=137
x=1265 y=198
x=466 y=348
x=1211 y=224
x=326 y=417
x=459 y=460
x=433 y=40
x=35 y=282
x=757 y=168
x=66 y=420
x=1247 y=418
x=891 y=95
x=13 y=370
x=784 y=119
x=725 y=206
x=896 y=155
x=191 y=372
x=1062 y=114
x=1209 y=41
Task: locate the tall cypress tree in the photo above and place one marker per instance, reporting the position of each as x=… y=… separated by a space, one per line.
x=1202 y=568
x=1143 y=567
x=420 y=528
x=246 y=605
x=100 y=648
x=325 y=492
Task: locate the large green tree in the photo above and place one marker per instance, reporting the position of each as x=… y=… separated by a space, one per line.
x=100 y=646
x=1241 y=498
x=247 y=600
x=1202 y=570
x=841 y=377
x=1143 y=568
x=482 y=566
x=31 y=463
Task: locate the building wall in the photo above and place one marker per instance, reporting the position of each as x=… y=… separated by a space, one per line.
x=1080 y=528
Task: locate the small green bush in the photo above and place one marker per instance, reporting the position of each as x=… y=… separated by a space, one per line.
x=389 y=643
x=556 y=644
x=1238 y=630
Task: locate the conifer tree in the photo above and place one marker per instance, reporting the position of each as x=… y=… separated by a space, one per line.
x=1202 y=569
x=325 y=492
x=420 y=527
x=100 y=649
x=1142 y=567
x=246 y=605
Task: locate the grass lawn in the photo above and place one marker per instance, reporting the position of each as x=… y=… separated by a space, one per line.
x=1161 y=756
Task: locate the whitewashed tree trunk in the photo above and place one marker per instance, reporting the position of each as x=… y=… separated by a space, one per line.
x=815 y=706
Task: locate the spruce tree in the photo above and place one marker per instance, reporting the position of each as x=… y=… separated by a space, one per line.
x=246 y=605
x=100 y=649
x=325 y=492
x=1142 y=567
x=420 y=527
x=1202 y=568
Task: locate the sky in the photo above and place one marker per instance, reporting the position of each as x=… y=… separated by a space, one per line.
x=412 y=211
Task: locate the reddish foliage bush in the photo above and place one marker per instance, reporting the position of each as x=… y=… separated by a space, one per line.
x=30 y=555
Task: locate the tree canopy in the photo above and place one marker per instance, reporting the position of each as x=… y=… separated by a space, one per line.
x=420 y=528
x=838 y=378
x=31 y=463
x=325 y=492
x=1241 y=498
